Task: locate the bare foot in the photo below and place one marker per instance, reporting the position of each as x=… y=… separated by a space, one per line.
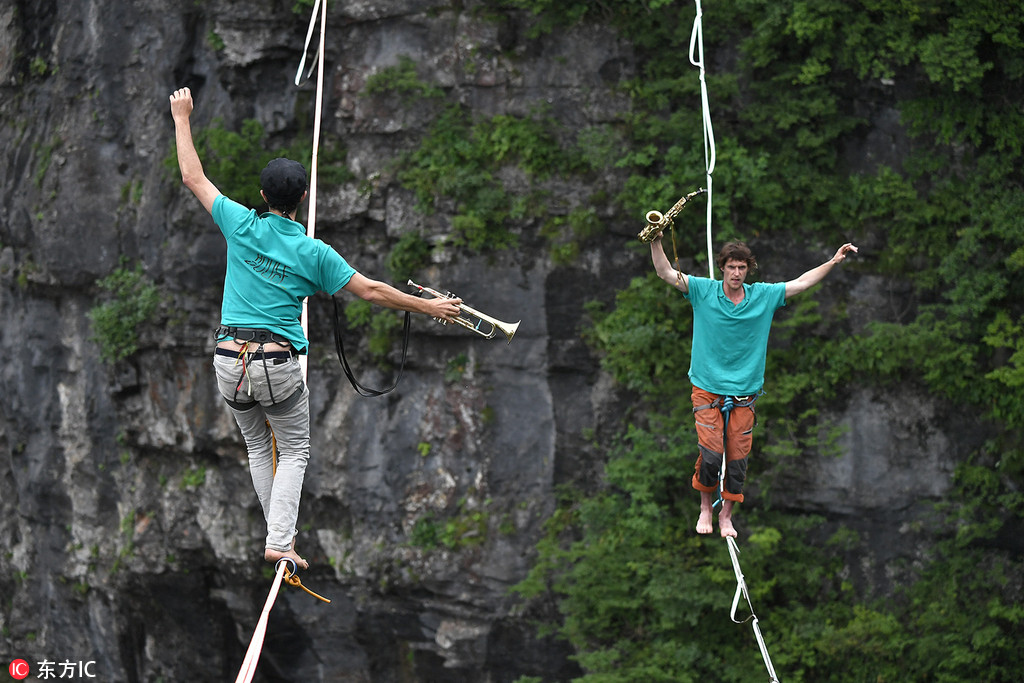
x=725 y=527
x=704 y=520
x=274 y=555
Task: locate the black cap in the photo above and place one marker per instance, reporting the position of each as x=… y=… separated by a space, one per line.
x=283 y=181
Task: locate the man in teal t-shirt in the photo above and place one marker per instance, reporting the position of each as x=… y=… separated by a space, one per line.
x=731 y=323
x=271 y=267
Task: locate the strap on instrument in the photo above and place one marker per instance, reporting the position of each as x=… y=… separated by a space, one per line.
x=340 y=346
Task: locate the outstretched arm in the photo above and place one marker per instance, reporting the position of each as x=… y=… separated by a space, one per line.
x=192 y=174
x=816 y=275
x=665 y=270
x=383 y=294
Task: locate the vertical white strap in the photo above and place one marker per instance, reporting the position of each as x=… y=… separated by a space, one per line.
x=311 y=223
x=697 y=40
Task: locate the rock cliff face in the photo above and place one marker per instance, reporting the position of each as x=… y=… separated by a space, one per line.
x=131 y=536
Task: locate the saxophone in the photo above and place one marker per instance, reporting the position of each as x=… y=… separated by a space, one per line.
x=657 y=221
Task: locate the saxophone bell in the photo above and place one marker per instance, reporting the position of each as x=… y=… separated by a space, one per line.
x=658 y=221
x=656 y=224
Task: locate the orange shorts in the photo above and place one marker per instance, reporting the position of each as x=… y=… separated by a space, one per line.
x=710 y=421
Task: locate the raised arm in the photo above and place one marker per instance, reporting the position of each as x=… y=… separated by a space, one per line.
x=816 y=275
x=383 y=294
x=665 y=270
x=192 y=174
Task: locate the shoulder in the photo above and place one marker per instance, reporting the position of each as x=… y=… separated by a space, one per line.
x=774 y=292
x=700 y=285
x=227 y=211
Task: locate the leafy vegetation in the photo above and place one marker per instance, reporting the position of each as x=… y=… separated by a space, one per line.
x=233 y=160
x=797 y=88
x=132 y=299
x=382 y=326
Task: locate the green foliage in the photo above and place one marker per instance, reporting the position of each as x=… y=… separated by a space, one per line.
x=409 y=255
x=381 y=325
x=467 y=527
x=131 y=300
x=461 y=161
x=44 y=155
x=402 y=80
x=193 y=478
x=455 y=369
x=795 y=87
x=233 y=160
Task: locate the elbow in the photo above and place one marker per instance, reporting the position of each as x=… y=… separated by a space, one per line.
x=190 y=180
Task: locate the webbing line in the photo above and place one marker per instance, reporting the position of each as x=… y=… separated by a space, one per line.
x=697 y=40
x=282 y=573
x=252 y=655
x=311 y=220
x=741 y=588
x=734 y=552
x=697 y=60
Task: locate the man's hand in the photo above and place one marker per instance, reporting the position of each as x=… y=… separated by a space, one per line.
x=181 y=103
x=843 y=250
x=815 y=275
x=444 y=309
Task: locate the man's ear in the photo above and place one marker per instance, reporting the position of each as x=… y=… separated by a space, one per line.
x=301 y=199
x=264 y=197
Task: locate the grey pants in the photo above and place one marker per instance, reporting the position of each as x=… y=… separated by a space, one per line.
x=271 y=402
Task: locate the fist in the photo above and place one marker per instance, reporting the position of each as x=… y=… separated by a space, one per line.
x=181 y=103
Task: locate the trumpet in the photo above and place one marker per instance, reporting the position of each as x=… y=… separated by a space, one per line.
x=657 y=221
x=474 y=319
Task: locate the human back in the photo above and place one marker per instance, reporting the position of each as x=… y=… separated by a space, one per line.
x=271 y=267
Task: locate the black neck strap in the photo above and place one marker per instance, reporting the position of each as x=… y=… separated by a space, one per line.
x=340 y=346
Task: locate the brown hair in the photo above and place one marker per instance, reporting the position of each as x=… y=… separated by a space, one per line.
x=737 y=251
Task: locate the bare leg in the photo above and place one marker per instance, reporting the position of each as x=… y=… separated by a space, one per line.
x=725 y=526
x=704 y=521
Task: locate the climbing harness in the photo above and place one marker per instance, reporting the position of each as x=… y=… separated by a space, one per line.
x=697 y=60
x=726 y=404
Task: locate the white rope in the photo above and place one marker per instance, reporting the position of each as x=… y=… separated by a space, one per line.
x=697 y=40
x=318 y=62
x=697 y=60
x=252 y=655
x=741 y=588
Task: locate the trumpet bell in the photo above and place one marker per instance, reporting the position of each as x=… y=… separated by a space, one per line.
x=473 y=319
x=508 y=329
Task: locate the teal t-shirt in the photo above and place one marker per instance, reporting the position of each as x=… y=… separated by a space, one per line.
x=271 y=267
x=730 y=342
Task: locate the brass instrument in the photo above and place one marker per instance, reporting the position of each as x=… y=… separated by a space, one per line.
x=473 y=319
x=657 y=222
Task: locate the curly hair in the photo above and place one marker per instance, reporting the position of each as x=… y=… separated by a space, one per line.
x=737 y=251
